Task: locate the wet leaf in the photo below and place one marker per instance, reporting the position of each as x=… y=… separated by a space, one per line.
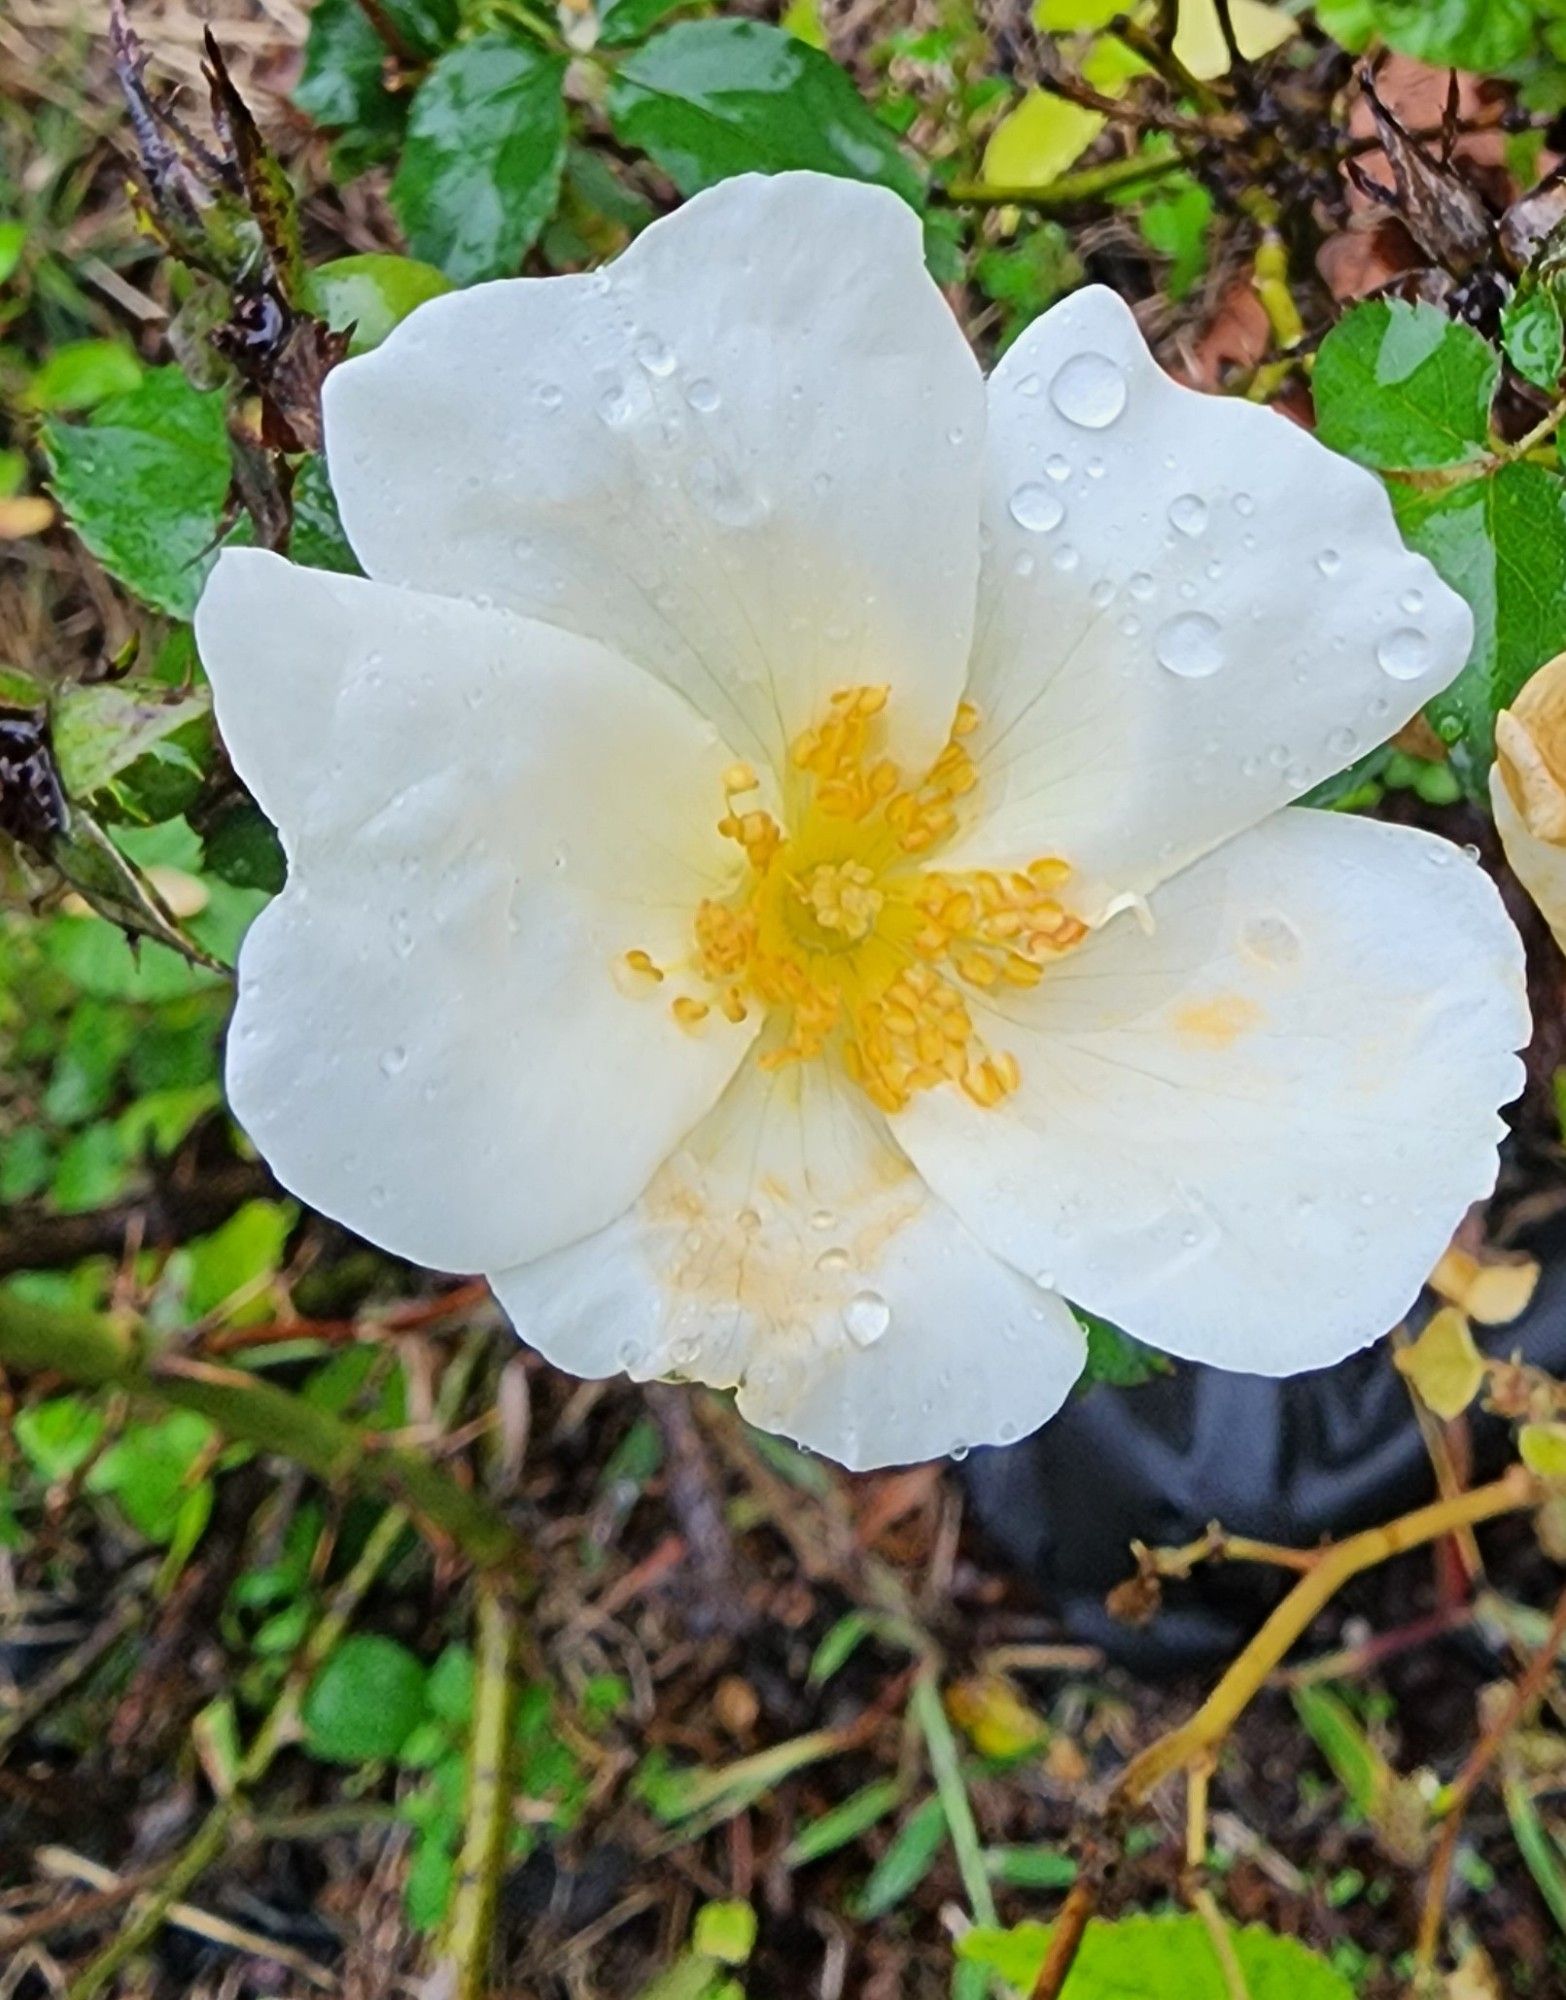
x=143 y=482
x=480 y=174
x=712 y=98
x=1403 y=388
x=1501 y=542
x=369 y=294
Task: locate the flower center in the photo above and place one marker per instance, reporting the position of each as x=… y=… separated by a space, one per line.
x=847 y=938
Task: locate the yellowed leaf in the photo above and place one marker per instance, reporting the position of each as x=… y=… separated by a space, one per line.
x=1199 y=42
x=1490 y=1294
x=994 y=1717
x=1035 y=144
x=1542 y=1448
x=1444 y=1365
x=23 y=515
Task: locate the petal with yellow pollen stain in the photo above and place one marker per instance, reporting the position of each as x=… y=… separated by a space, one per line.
x=1267 y=1199
x=789 y=1248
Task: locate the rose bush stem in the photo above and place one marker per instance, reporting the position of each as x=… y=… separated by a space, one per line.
x=1195 y=1738
x=90 y=1350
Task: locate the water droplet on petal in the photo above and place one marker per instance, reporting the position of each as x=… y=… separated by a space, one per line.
x=1190 y=645
x=960 y=1451
x=835 y=1259
x=394 y=1061
x=866 y=1318
x=551 y=395
x=1273 y=940
x=1058 y=468
x=1089 y=391
x=1404 y=654
x=1141 y=586
x=703 y=395
x=1188 y=514
x=655 y=355
x=1065 y=558
x=1329 y=562
x=1037 y=509
x=823 y=1218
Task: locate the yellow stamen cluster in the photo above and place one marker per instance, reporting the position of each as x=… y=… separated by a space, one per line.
x=841 y=934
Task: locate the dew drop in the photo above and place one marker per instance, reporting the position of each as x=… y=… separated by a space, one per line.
x=1065 y=558
x=1141 y=586
x=1036 y=509
x=1413 y=602
x=1090 y=391
x=1190 y=645
x=394 y=1061
x=1030 y=385
x=655 y=355
x=551 y=395
x=1188 y=514
x=703 y=396
x=630 y=1353
x=1024 y=565
x=1403 y=654
x=834 y=1259
x=1244 y=505
x=1272 y=940
x=1329 y=562
x=823 y=1218
x=866 y=1318
x=1058 y=468
x=1102 y=595
x=960 y=1451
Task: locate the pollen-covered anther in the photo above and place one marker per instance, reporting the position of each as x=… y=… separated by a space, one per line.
x=843 y=897
x=845 y=940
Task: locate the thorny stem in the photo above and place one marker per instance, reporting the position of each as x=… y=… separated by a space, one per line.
x=93 y=1351
x=487 y=1821
x=213 y=1835
x=1529 y=1687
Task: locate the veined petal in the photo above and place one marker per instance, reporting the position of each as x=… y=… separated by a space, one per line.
x=1190 y=612
x=1247 y=1136
x=788 y=1247
x=746 y=455
x=437 y=1040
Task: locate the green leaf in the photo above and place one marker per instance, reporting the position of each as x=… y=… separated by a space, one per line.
x=480 y=174
x=905 y=1863
x=1154 y=1958
x=58 y=1436
x=725 y=1931
x=1467 y=34
x=843 y=1823
x=450 y=1691
x=92 y=1171
x=246 y=1249
x=1403 y=388
x=79 y=373
x=365 y=1701
x=431 y=1873
x=1115 y=1357
x=371 y=293
x=13 y=241
x=240 y=844
x=144 y=482
x=1532 y=334
x=343 y=85
x=1540 y=1854
x=100 y=729
x=712 y=98
x=149 y=1472
x=621 y=22
x=1501 y=542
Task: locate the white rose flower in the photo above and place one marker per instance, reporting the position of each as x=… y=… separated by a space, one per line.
x=786 y=869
